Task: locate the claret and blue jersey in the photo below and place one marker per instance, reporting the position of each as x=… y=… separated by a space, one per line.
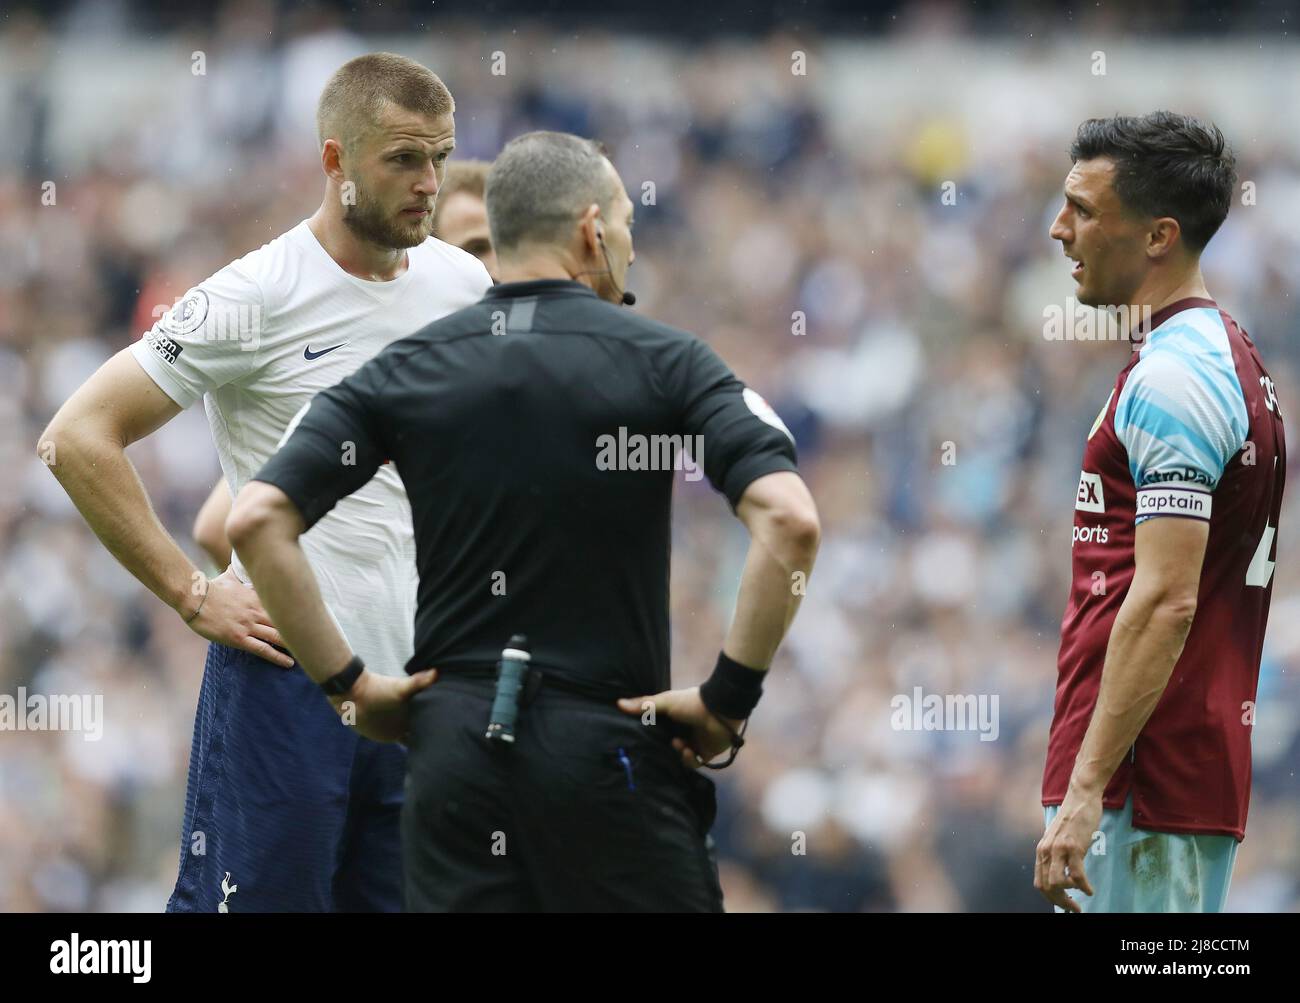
x=1192 y=429
x=1181 y=415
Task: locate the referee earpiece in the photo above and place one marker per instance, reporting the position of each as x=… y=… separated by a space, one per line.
x=626 y=296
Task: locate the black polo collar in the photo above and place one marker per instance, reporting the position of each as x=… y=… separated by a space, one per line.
x=538 y=287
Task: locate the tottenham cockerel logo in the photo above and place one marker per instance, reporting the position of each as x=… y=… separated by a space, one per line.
x=228 y=890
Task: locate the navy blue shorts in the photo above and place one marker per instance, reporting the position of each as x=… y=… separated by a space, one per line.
x=286 y=808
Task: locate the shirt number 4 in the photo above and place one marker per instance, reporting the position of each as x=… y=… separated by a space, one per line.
x=1260 y=572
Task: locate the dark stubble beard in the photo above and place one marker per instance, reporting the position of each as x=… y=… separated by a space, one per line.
x=367 y=219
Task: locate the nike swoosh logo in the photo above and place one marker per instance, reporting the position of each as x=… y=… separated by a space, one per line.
x=311 y=356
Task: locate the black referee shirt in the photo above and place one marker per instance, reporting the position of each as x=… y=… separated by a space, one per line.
x=532 y=432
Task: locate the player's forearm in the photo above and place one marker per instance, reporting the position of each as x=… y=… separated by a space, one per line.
x=104 y=485
x=210 y=526
x=285 y=582
x=1145 y=643
x=771 y=588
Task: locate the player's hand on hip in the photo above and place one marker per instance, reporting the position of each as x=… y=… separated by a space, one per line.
x=1059 y=859
x=709 y=735
x=231 y=614
x=379 y=706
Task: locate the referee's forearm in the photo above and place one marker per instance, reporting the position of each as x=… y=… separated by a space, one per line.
x=266 y=537
x=771 y=588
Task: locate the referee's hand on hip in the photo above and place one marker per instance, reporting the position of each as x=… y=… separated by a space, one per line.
x=709 y=734
x=379 y=706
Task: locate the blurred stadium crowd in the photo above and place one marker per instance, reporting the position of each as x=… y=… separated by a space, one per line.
x=772 y=212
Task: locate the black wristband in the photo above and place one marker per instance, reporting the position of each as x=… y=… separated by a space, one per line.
x=733 y=689
x=338 y=684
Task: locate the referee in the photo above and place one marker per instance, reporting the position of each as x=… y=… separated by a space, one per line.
x=537 y=433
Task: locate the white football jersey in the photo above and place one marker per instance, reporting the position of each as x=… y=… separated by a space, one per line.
x=257 y=341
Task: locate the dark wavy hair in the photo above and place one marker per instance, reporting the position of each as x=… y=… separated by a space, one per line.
x=1166 y=165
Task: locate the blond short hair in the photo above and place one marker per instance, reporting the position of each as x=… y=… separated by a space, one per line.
x=463 y=176
x=359 y=89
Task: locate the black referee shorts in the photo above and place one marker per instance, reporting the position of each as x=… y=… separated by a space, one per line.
x=589 y=810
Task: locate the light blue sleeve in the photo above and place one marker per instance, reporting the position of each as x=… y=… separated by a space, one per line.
x=1181 y=415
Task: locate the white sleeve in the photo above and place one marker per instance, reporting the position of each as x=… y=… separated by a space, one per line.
x=482 y=281
x=468 y=268
x=208 y=339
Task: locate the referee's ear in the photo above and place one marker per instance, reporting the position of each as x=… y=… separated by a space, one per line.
x=593 y=236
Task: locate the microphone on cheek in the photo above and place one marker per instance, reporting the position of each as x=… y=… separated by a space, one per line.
x=627 y=297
